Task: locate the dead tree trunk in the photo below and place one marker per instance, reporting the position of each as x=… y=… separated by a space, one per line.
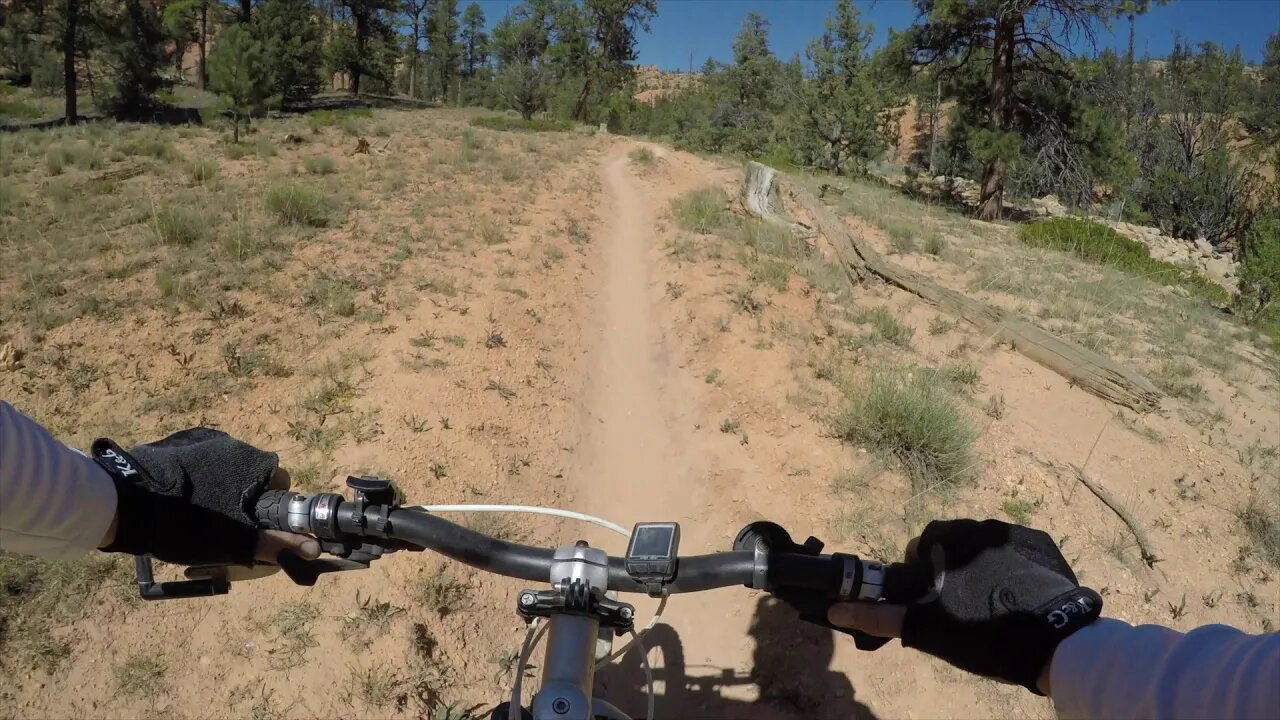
x=760 y=198
x=1081 y=366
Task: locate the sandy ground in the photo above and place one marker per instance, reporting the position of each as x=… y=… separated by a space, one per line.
x=613 y=413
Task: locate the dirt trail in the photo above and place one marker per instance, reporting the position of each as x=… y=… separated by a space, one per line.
x=629 y=463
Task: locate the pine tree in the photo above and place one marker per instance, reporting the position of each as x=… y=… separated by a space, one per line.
x=840 y=100
x=292 y=44
x=238 y=71
x=1009 y=39
x=133 y=47
x=443 y=51
x=475 y=42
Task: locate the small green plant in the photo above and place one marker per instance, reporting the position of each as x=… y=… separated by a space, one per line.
x=439 y=592
x=320 y=165
x=492 y=233
x=202 y=171
x=369 y=616
x=506 y=661
x=503 y=391
x=378 y=685
x=1019 y=510
x=935 y=244
x=1259 y=517
x=713 y=377
x=642 y=155
x=728 y=426
x=913 y=418
x=415 y=424
x=438 y=470
x=141 y=676
x=887 y=327
x=962 y=374
x=1175 y=378
x=57 y=158
x=332 y=295
x=939 y=325
x=179 y=226
x=995 y=406
x=297 y=205
x=743 y=300
x=702 y=211
x=425 y=339
x=493 y=339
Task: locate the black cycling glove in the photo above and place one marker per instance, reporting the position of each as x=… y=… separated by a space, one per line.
x=1003 y=597
x=189 y=498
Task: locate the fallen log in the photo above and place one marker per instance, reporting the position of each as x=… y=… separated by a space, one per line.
x=1081 y=366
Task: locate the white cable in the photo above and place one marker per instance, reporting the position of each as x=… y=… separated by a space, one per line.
x=531 y=638
x=533 y=509
x=648 y=671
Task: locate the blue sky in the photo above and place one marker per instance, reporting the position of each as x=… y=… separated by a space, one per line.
x=705 y=28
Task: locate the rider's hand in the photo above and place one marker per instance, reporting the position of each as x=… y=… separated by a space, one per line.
x=1003 y=597
x=189 y=499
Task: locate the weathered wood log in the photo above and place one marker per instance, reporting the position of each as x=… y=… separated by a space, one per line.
x=1089 y=370
x=760 y=198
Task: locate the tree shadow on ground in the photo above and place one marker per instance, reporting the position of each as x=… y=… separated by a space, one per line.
x=790 y=675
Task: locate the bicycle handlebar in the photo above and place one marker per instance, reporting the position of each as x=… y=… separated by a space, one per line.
x=331 y=517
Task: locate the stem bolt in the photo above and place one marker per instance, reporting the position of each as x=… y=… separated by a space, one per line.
x=626 y=613
x=527 y=599
x=560 y=706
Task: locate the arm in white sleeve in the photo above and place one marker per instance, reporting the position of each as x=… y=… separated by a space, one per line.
x=55 y=502
x=1114 y=670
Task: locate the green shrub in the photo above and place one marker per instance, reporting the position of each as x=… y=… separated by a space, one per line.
x=297 y=205
x=886 y=326
x=179 y=226
x=9 y=198
x=202 y=171
x=1260 y=519
x=701 y=211
x=58 y=157
x=150 y=146
x=349 y=119
x=1259 y=298
x=642 y=155
x=320 y=165
x=332 y=295
x=501 y=122
x=1101 y=245
x=18 y=109
x=913 y=418
x=770 y=239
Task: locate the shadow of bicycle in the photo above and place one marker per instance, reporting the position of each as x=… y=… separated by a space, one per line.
x=790 y=676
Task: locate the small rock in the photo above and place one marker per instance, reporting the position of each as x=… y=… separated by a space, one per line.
x=9 y=357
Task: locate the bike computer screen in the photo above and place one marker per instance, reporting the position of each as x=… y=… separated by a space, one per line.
x=652 y=552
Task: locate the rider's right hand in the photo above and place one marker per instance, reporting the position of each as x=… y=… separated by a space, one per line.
x=189 y=498
x=1003 y=597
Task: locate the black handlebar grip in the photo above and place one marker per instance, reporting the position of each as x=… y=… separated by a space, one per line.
x=272 y=509
x=905 y=583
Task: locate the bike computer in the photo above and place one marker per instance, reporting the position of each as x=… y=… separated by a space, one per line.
x=652 y=554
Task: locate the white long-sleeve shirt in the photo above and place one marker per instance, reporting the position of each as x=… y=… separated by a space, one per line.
x=54 y=501
x=57 y=503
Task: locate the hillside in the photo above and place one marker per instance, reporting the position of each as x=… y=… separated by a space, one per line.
x=589 y=322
